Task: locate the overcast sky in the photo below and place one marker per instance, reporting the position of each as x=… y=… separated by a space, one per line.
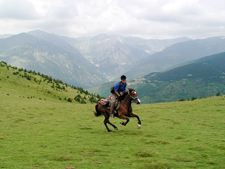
x=153 y=19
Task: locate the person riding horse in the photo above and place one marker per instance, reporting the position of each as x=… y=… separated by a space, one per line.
x=116 y=92
x=123 y=112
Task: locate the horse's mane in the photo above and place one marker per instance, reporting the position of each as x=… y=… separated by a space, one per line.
x=123 y=95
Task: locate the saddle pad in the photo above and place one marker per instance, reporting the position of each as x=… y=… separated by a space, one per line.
x=104 y=102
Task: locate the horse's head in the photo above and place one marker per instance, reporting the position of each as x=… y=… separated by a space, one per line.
x=134 y=96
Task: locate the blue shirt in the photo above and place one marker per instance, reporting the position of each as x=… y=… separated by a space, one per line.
x=119 y=87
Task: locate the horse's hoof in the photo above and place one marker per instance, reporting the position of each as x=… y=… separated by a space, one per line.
x=139 y=126
x=122 y=123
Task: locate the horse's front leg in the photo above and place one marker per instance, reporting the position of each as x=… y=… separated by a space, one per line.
x=124 y=117
x=134 y=115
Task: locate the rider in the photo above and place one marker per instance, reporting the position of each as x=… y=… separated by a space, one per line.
x=117 y=89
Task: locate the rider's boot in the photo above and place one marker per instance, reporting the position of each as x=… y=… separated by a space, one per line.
x=112 y=111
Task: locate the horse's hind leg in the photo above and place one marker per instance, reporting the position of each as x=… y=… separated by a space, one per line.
x=107 y=121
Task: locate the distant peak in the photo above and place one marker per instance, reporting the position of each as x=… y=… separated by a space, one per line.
x=101 y=36
x=37 y=30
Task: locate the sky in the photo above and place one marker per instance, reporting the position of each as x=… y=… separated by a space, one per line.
x=149 y=19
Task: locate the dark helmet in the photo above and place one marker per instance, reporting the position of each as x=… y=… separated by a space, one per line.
x=123 y=77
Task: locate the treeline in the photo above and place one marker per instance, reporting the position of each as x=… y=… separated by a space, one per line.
x=194 y=98
x=56 y=84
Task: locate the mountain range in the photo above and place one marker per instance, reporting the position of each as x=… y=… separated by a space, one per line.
x=177 y=54
x=56 y=59
x=114 y=55
x=84 y=61
x=91 y=61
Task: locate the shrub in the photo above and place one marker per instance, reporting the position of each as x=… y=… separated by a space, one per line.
x=193 y=98
x=28 y=78
x=15 y=73
x=218 y=94
x=69 y=100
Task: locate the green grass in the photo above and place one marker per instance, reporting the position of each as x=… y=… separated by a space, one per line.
x=44 y=132
x=47 y=134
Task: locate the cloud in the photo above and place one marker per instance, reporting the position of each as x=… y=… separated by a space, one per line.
x=145 y=18
x=17 y=9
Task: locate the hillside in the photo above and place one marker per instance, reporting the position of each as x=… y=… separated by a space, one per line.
x=20 y=83
x=201 y=78
x=209 y=68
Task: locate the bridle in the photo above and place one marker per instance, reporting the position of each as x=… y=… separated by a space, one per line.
x=131 y=97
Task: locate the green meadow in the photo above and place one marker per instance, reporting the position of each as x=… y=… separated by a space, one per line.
x=39 y=130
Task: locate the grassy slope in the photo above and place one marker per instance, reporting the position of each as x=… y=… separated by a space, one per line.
x=18 y=86
x=49 y=133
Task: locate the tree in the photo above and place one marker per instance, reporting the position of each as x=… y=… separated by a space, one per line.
x=77 y=98
x=218 y=94
x=92 y=99
x=83 y=101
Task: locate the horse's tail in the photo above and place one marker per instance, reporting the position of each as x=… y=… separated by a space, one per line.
x=97 y=113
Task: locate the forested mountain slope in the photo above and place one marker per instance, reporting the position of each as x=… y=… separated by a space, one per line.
x=204 y=77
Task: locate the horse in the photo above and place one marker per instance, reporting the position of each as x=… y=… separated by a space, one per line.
x=123 y=112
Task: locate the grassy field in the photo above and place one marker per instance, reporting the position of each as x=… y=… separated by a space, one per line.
x=38 y=130
x=48 y=134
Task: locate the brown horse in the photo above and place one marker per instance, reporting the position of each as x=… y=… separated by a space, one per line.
x=123 y=112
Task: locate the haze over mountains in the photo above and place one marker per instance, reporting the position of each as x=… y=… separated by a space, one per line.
x=115 y=55
x=90 y=61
